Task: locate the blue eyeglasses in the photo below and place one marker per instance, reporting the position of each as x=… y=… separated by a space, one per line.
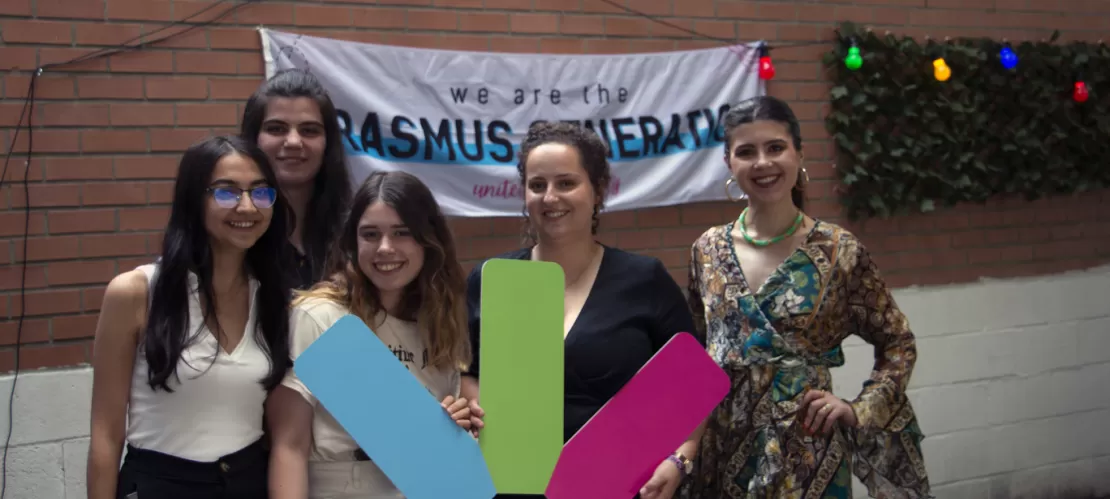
x=229 y=197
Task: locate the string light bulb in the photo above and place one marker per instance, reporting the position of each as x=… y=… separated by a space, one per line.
x=853 y=61
x=766 y=68
x=941 y=71
x=1007 y=56
x=1080 y=93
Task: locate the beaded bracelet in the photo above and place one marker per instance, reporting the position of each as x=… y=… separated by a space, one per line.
x=677 y=462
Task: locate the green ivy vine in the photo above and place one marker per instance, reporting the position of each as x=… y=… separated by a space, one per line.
x=906 y=142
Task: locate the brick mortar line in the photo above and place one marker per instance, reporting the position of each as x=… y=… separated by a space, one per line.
x=1070 y=368
x=84 y=340
x=447 y=33
x=94 y=180
x=53 y=441
x=1015 y=472
x=47 y=263
x=155 y=25
x=167 y=126
x=125 y=154
x=995 y=330
x=555 y=35
x=880 y=252
x=147 y=232
x=123 y=128
x=92 y=207
x=1062 y=16
x=876 y=248
x=833 y=219
x=888 y=270
x=1031 y=420
x=14 y=293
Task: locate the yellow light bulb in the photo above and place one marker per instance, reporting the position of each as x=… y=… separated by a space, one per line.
x=941 y=70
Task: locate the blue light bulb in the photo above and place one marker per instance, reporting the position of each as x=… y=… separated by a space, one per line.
x=1008 y=57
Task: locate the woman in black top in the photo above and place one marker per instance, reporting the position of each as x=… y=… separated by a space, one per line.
x=294 y=122
x=621 y=307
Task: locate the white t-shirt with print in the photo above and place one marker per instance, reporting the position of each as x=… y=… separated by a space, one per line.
x=310 y=319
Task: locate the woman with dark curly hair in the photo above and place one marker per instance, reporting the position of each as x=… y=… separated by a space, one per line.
x=621 y=307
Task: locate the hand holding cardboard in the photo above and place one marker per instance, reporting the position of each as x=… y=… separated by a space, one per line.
x=617 y=450
x=414 y=441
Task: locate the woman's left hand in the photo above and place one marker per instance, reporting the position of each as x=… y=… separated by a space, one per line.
x=459 y=409
x=820 y=410
x=664 y=482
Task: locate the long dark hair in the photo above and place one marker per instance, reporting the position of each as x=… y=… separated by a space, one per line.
x=186 y=249
x=331 y=191
x=435 y=300
x=770 y=109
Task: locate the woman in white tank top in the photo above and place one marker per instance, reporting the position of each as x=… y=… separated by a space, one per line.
x=188 y=348
x=396 y=269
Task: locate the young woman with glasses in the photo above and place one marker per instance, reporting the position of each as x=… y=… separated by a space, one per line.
x=188 y=348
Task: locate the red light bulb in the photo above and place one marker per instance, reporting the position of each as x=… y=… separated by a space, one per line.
x=1080 y=94
x=766 y=69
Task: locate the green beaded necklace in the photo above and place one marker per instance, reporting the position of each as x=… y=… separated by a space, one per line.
x=767 y=242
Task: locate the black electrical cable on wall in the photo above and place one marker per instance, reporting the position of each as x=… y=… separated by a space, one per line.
x=703 y=36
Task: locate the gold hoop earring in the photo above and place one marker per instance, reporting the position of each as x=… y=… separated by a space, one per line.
x=728 y=192
x=803 y=179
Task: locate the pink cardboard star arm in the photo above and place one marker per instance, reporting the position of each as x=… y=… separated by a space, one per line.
x=617 y=450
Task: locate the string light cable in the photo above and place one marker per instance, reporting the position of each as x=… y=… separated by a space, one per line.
x=766 y=68
x=28 y=113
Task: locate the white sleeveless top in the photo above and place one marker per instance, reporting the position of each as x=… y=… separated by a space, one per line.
x=216 y=407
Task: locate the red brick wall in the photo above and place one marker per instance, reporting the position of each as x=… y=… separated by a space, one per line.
x=108 y=131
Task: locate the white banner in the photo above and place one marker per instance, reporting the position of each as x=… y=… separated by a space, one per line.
x=456 y=119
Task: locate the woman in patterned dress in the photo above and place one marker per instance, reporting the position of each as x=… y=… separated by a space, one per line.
x=775 y=293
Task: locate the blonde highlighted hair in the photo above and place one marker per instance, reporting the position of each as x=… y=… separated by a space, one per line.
x=435 y=300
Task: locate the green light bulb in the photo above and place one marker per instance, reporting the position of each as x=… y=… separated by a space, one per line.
x=853 y=61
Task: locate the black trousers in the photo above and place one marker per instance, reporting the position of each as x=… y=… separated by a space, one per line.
x=153 y=475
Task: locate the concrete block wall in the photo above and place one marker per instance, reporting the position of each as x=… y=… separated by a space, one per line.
x=1012 y=385
x=50 y=430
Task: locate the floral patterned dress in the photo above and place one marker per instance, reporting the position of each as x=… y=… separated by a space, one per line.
x=781 y=340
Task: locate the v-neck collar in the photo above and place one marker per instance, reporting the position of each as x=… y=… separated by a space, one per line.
x=605 y=253
x=778 y=268
x=197 y=313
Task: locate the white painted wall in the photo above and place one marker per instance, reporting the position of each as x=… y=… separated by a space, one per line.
x=1012 y=387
